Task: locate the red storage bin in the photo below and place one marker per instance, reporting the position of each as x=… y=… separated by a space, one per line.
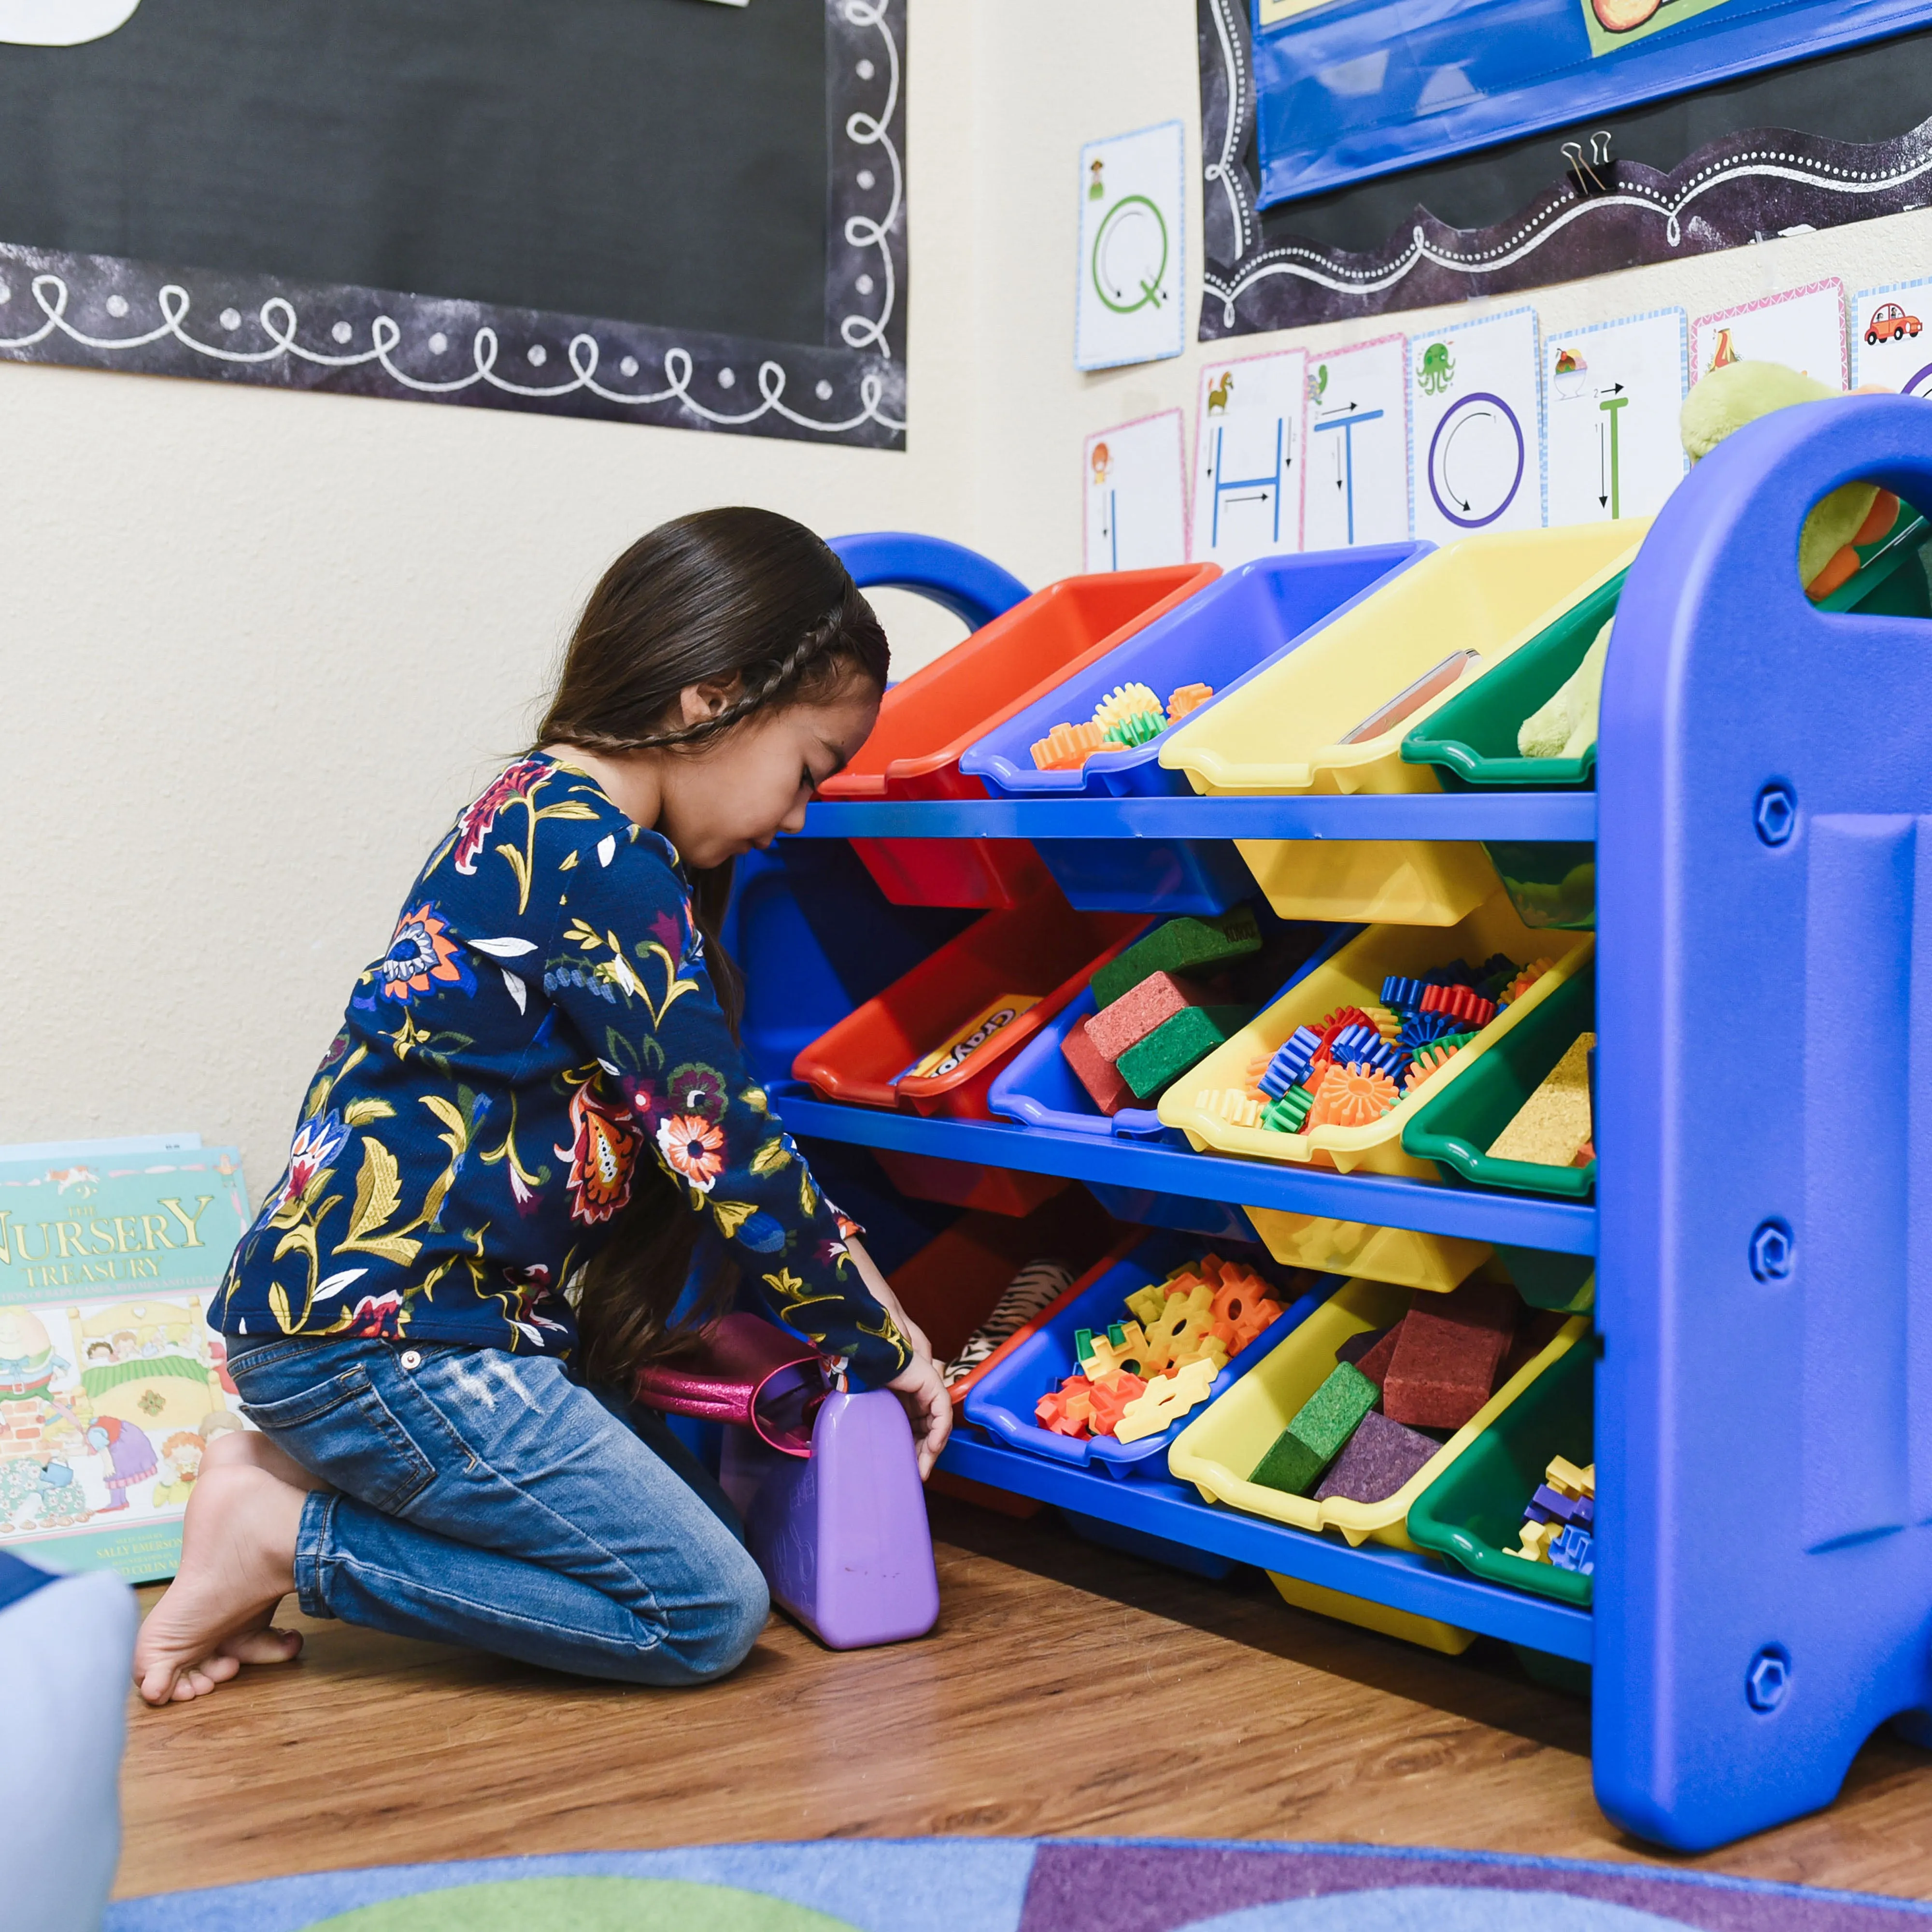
x=994 y=1190
x=926 y=724
x=955 y=1282
x=1044 y=950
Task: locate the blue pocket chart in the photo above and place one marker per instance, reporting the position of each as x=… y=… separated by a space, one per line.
x=1348 y=89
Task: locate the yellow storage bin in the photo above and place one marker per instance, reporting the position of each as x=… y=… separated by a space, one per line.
x=1331 y=715
x=1436 y=1262
x=1353 y=978
x=1431 y=1632
x=1217 y=1451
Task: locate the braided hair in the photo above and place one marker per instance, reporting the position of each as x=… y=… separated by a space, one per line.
x=722 y=596
x=738 y=598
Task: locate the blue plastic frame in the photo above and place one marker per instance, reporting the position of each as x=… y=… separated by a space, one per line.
x=973 y=587
x=1764 y=1401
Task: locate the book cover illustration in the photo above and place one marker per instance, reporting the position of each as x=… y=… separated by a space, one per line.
x=111 y=1381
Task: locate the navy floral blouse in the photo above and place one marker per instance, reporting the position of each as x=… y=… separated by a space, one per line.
x=542 y=1019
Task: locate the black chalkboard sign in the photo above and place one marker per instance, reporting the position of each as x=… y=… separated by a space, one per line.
x=670 y=210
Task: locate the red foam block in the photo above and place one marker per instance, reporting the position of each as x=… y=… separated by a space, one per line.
x=1137 y=1013
x=1447 y=1353
x=1101 y=1078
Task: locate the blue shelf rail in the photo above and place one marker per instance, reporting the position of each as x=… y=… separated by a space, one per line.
x=1517 y=1220
x=1156 y=1507
x=1566 y=817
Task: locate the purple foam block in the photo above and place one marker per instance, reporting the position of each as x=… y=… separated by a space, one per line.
x=841 y=1535
x=1378 y=1458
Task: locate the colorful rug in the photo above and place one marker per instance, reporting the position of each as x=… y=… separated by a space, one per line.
x=1014 y=1884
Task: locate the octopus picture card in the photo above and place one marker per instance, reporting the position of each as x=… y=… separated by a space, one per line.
x=1803 y=329
x=1891 y=348
x=1249 y=432
x=1611 y=396
x=1136 y=495
x=1475 y=396
x=112 y=1383
x=1128 y=303
x=1356 y=489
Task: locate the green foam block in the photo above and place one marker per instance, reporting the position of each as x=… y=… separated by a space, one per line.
x=1177 y=1044
x=1319 y=1433
x=1181 y=946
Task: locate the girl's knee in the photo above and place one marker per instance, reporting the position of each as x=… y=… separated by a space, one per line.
x=712 y=1633
x=743 y=1604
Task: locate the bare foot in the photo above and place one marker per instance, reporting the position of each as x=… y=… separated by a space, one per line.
x=237 y=1563
x=251 y=1446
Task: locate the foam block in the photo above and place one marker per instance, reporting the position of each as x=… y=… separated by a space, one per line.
x=1144 y=1006
x=1358 y=1344
x=1381 y=1456
x=1181 y=946
x=1374 y=1362
x=1321 y=1426
x=1184 y=1041
x=1102 y=1079
x=1447 y=1354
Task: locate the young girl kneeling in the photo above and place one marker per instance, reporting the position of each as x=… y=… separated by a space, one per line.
x=534 y=1105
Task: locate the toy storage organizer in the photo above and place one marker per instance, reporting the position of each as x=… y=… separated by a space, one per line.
x=1763 y=1596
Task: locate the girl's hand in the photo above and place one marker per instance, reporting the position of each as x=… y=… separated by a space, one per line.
x=918 y=1385
x=928 y=1406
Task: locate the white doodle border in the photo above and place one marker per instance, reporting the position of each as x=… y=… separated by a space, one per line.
x=851 y=25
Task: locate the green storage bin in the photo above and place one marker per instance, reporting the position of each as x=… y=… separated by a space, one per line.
x=1473 y=1511
x=1455 y=1128
x=1471 y=740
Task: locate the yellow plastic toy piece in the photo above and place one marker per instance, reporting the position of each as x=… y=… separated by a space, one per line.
x=1130 y=1353
x=1537 y=1538
x=1125 y=701
x=1566 y=1479
x=1148 y=1304
x=1234 y=1105
x=1188 y=697
x=1167 y=1399
x=1384 y=1021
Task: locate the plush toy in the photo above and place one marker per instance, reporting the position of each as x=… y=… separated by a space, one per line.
x=1855 y=513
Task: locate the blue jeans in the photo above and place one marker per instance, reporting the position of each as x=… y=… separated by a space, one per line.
x=482 y=1498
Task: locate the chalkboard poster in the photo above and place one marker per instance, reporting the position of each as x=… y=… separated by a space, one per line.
x=660 y=211
x=1815 y=144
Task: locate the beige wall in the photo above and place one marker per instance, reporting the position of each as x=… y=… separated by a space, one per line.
x=257 y=645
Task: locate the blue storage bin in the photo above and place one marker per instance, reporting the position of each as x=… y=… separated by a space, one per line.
x=1038 y=1089
x=1003 y=1402
x=1222 y=636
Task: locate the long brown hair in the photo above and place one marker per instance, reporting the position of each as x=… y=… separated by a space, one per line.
x=725 y=596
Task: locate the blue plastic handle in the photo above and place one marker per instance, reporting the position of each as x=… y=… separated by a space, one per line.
x=973 y=587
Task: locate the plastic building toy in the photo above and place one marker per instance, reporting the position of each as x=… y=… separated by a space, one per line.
x=1185 y=698
x=1126 y=700
x=1067 y=747
x=1165 y=1400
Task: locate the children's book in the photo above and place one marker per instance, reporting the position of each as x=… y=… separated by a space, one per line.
x=112 y=1383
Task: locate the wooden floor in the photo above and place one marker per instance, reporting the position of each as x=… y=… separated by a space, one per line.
x=1067 y=1690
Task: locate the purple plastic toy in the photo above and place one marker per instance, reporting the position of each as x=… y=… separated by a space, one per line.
x=828 y=1484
